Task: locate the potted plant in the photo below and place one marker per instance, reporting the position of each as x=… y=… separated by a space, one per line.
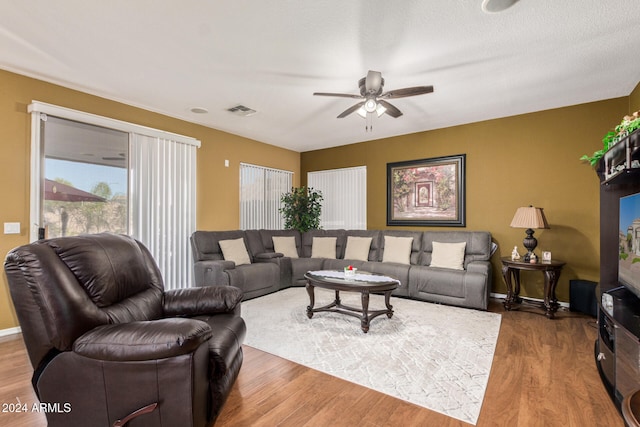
x=607 y=142
x=627 y=126
x=301 y=209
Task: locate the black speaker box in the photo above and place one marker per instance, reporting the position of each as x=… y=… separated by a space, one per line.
x=582 y=297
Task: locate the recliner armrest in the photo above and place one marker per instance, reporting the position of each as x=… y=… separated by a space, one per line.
x=217 y=264
x=212 y=272
x=145 y=340
x=479 y=267
x=266 y=256
x=190 y=302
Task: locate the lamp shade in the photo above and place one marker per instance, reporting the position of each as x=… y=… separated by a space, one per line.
x=529 y=217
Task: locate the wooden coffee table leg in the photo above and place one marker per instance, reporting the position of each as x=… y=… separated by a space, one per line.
x=364 y=323
x=310 y=291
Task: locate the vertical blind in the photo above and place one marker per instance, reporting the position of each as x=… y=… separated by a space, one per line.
x=345 y=197
x=163 y=203
x=260 y=192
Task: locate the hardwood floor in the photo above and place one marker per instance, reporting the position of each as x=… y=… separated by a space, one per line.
x=543 y=374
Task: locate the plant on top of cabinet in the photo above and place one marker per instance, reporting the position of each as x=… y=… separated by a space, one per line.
x=627 y=126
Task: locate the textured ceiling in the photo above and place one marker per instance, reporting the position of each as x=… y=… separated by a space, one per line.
x=169 y=56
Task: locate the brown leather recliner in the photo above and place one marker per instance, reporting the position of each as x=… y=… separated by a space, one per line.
x=109 y=346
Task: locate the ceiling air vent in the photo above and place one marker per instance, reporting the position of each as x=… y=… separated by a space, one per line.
x=241 y=110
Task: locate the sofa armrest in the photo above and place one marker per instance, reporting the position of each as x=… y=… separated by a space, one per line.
x=267 y=256
x=481 y=267
x=198 y=301
x=212 y=272
x=144 y=340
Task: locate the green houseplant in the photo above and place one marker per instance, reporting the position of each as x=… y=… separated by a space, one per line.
x=301 y=209
x=628 y=125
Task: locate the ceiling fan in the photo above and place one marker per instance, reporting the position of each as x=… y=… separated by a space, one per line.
x=374 y=99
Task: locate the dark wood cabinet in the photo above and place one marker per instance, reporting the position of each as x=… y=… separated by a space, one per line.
x=622 y=161
x=618 y=345
x=617 y=348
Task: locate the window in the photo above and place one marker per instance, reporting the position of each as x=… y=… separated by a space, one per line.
x=344 y=193
x=260 y=192
x=85 y=178
x=118 y=177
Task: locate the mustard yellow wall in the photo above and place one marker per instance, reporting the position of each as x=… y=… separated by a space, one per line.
x=634 y=100
x=217 y=186
x=511 y=162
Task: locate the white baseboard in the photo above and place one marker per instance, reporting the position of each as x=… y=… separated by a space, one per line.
x=10 y=331
x=503 y=296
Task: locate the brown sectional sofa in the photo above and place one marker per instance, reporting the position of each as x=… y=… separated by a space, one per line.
x=270 y=271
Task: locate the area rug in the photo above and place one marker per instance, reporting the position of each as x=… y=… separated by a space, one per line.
x=435 y=356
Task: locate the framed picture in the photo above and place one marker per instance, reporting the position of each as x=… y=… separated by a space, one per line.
x=427 y=192
x=546 y=256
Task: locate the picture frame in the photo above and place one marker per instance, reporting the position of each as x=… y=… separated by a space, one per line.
x=427 y=192
x=546 y=256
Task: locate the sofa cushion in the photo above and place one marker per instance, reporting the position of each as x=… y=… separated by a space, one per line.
x=136 y=341
x=300 y=266
x=253 y=277
x=235 y=250
x=307 y=241
x=205 y=244
x=448 y=255
x=427 y=282
x=286 y=245
x=478 y=244
x=323 y=247
x=357 y=248
x=395 y=270
x=261 y=241
x=397 y=249
x=414 y=257
x=376 y=242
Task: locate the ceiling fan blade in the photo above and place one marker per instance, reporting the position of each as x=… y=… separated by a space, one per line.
x=408 y=91
x=373 y=82
x=391 y=110
x=339 y=95
x=351 y=109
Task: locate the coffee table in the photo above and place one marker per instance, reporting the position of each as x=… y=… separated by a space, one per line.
x=365 y=283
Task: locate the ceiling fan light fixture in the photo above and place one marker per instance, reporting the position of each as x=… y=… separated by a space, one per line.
x=380 y=110
x=370 y=105
x=362 y=112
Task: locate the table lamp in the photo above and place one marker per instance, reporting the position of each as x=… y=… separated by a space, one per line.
x=529 y=218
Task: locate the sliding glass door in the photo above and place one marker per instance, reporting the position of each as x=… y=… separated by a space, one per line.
x=83 y=178
x=93 y=174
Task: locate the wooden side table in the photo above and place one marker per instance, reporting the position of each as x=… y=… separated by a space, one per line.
x=550 y=269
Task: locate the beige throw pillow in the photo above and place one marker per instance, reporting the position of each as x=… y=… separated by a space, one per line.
x=357 y=248
x=397 y=249
x=286 y=245
x=323 y=247
x=448 y=255
x=235 y=250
